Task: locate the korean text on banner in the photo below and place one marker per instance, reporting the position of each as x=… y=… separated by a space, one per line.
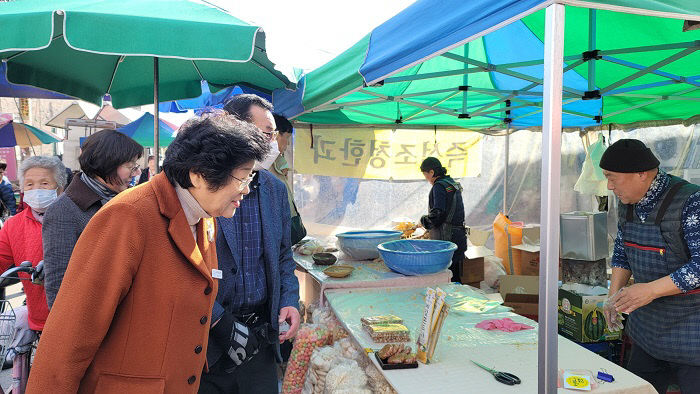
x=385 y=154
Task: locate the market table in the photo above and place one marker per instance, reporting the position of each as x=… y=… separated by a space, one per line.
x=367 y=274
x=451 y=371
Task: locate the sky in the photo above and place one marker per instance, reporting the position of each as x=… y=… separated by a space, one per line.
x=308 y=33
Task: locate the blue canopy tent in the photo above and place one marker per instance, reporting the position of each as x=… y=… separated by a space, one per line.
x=208 y=99
x=141 y=130
x=491 y=65
x=8 y=89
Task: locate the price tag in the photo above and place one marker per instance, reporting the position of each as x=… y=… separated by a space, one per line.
x=577 y=382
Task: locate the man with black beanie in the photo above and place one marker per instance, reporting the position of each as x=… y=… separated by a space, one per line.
x=658 y=241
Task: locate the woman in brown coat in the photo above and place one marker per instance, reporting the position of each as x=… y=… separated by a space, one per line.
x=132 y=314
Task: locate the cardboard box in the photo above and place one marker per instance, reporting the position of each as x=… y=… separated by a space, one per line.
x=529 y=252
x=531 y=234
x=478 y=237
x=581 y=317
x=521 y=292
x=473 y=266
x=529 y=259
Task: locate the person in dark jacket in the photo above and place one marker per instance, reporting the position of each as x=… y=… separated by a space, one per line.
x=149 y=172
x=280 y=168
x=6 y=193
x=108 y=161
x=445 y=218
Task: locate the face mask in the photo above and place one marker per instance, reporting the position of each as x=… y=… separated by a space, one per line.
x=269 y=159
x=40 y=199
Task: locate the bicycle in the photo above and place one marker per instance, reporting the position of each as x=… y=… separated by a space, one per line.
x=21 y=363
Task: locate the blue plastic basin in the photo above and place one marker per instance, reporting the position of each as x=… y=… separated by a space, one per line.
x=362 y=245
x=417 y=256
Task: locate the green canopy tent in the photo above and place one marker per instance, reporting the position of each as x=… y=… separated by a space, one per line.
x=619 y=68
x=492 y=65
x=136 y=51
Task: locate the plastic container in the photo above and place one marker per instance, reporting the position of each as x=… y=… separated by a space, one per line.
x=584 y=235
x=417 y=256
x=362 y=245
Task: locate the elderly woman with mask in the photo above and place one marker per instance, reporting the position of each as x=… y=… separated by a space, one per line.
x=134 y=309
x=108 y=160
x=41 y=179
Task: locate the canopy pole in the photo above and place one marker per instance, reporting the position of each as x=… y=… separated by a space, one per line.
x=156 y=114
x=465 y=80
x=550 y=197
x=591 y=47
x=508 y=121
x=505 y=172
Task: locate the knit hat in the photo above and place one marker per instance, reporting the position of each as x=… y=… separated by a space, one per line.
x=628 y=155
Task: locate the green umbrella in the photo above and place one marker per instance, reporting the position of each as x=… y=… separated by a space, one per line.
x=137 y=51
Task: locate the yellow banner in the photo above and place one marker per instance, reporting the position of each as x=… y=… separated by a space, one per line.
x=385 y=154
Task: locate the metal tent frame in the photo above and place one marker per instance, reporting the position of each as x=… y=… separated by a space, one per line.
x=570 y=94
x=550 y=102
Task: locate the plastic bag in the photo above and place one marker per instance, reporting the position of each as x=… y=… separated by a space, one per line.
x=326 y=358
x=377 y=382
x=310 y=247
x=346 y=377
x=309 y=337
x=322 y=360
x=613 y=318
x=493 y=269
x=347 y=349
x=324 y=316
x=592 y=181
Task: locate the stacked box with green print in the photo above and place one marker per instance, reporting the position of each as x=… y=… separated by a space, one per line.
x=581 y=317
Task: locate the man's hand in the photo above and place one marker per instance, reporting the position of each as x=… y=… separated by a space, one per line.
x=634 y=297
x=291 y=315
x=640 y=294
x=613 y=318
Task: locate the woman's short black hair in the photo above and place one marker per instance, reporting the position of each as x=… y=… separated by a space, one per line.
x=433 y=163
x=3 y=164
x=239 y=105
x=213 y=146
x=283 y=124
x=103 y=153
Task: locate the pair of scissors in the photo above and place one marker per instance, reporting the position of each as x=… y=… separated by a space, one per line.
x=503 y=377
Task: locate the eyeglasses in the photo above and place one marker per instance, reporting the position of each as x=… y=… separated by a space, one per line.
x=244 y=182
x=271 y=136
x=134 y=170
